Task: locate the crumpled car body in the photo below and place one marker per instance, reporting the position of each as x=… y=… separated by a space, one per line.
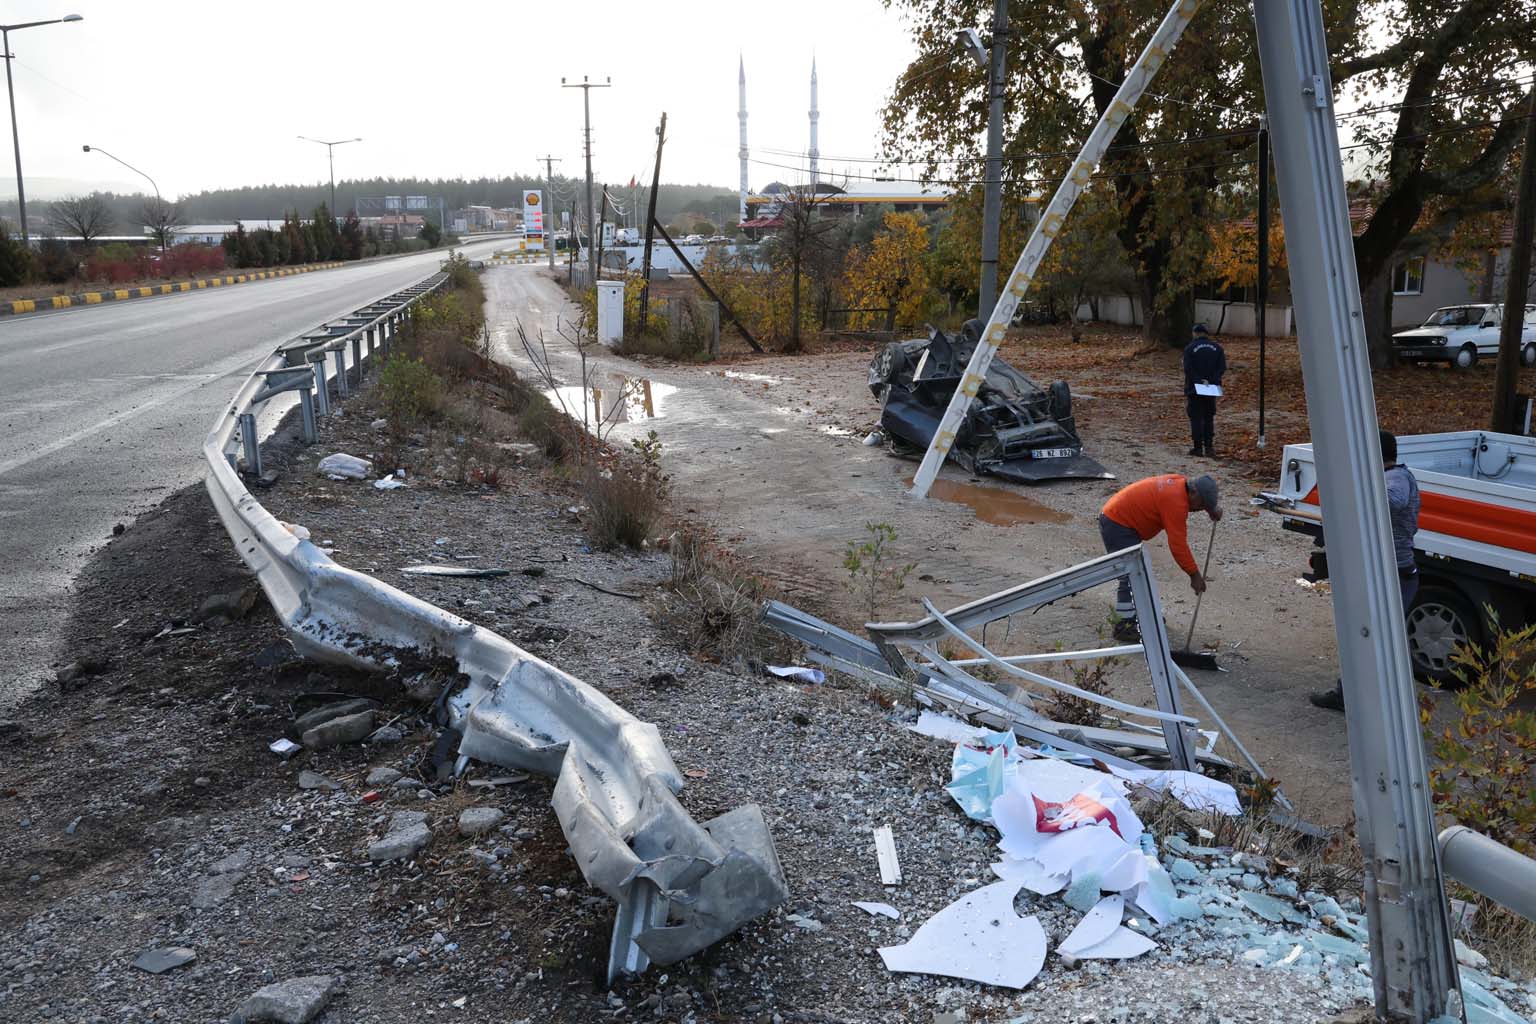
x=1014 y=429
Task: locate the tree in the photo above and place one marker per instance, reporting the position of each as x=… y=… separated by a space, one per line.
x=327 y=243
x=890 y=274
x=351 y=237
x=1087 y=260
x=15 y=260
x=162 y=218
x=703 y=227
x=298 y=238
x=1459 y=118
x=431 y=234
x=89 y=217
x=801 y=233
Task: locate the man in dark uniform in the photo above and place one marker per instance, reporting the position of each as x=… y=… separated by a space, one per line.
x=1204 y=363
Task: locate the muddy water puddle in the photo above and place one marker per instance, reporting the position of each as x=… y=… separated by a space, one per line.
x=1000 y=508
x=612 y=400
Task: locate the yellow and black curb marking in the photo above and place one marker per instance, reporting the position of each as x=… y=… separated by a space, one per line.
x=16 y=306
x=515 y=259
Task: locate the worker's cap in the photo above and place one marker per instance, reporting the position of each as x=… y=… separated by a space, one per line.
x=1200 y=328
x=1206 y=488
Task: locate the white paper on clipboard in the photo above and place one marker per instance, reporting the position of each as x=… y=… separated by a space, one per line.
x=1208 y=390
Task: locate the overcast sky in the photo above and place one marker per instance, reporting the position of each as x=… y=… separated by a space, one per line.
x=208 y=95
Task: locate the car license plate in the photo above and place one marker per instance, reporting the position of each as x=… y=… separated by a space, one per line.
x=1413 y=353
x=1055 y=453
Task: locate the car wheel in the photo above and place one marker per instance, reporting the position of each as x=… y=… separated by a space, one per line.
x=1466 y=358
x=1528 y=355
x=1440 y=621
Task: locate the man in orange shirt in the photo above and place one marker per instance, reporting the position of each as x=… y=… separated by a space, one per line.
x=1141 y=511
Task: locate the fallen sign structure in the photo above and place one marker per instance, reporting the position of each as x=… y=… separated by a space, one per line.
x=909 y=656
x=1014 y=429
x=680 y=885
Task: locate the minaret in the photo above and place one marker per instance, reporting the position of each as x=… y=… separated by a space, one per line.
x=741 y=115
x=815 y=116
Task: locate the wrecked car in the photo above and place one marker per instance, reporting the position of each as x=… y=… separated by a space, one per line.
x=1015 y=429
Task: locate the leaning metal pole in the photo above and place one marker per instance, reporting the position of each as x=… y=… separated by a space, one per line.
x=1413 y=964
x=1046 y=229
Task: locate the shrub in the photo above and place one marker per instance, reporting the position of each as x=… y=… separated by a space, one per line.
x=714 y=604
x=627 y=502
x=15 y=261
x=55 y=262
x=409 y=391
x=872 y=578
x=542 y=425
x=1483 y=764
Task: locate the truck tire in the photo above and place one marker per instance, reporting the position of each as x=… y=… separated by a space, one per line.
x=1465 y=358
x=1439 y=621
x=1528 y=355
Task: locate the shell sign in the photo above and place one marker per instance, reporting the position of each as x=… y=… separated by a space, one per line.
x=533 y=211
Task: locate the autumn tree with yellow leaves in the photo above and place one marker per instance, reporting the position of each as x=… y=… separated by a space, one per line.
x=888 y=278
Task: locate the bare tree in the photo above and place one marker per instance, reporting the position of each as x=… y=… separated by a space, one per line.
x=162 y=218
x=89 y=217
x=802 y=235
x=599 y=413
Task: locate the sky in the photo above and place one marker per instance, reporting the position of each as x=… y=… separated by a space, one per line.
x=207 y=95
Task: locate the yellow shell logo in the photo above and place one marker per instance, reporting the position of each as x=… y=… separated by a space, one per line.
x=531 y=199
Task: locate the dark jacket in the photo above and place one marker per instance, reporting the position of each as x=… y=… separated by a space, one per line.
x=1204 y=363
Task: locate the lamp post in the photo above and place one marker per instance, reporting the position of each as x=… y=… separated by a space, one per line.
x=159 y=203
x=10 y=91
x=330 y=155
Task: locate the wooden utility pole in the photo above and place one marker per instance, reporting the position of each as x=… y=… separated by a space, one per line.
x=586 y=88
x=549 y=205
x=1506 y=415
x=650 y=219
x=707 y=289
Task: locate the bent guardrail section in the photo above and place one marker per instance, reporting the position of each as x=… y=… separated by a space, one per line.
x=680 y=885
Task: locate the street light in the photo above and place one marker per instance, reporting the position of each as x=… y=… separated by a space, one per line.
x=159 y=203
x=5 y=45
x=331 y=156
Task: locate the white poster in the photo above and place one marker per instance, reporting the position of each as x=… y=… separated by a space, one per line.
x=533 y=211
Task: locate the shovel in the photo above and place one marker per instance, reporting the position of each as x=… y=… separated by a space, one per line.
x=1185 y=657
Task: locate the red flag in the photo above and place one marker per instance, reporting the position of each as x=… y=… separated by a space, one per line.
x=631 y=181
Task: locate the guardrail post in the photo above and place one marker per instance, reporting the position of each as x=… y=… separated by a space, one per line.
x=370 y=343
x=322 y=392
x=307 y=415
x=357 y=357
x=341 y=371
x=249 y=443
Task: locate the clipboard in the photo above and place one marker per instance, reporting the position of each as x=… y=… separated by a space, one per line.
x=1208 y=390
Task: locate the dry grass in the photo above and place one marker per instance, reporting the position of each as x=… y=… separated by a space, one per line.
x=625 y=505
x=714 y=604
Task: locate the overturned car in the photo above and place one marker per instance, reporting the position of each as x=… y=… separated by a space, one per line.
x=1015 y=429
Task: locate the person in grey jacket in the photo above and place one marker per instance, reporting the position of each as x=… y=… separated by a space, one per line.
x=1403 y=511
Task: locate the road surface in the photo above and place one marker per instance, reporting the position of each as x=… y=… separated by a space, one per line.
x=103 y=410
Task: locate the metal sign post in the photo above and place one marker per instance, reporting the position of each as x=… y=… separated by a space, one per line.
x=1046 y=229
x=1413 y=964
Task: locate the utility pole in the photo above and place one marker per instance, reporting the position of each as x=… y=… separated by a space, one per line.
x=992 y=199
x=10 y=92
x=1506 y=418
x=549 y=198
x=1263 y=295
x=330 y=156
x=650 y=223
x=586 y=88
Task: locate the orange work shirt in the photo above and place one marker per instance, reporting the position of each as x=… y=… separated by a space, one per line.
x=1153 y=505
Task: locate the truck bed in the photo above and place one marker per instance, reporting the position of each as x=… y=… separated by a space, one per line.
x=1477 y=491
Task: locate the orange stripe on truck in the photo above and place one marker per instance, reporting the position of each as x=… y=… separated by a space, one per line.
x=1479 y=521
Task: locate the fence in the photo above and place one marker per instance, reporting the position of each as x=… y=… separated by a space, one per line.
x=680 y=885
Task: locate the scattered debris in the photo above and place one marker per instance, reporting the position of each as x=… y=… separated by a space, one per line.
x=388 y=483
x=314 y=780
x=979 y=937
x=804 y=675
x=885 y=853
x=284 y=747
x=461 y=571
x=407 y=836
x=476 y=821
x=341 y=466
x=158 y=961
x=879 y=909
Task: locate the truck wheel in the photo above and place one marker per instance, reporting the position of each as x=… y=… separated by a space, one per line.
x=1466 y=358
x=1528 y=355
x=1439 y=621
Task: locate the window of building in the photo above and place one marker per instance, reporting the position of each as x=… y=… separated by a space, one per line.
x=1408 y=277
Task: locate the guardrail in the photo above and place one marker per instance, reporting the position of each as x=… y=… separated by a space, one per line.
x=680 y=885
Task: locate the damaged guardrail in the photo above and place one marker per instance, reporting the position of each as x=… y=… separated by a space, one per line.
x=680 y=885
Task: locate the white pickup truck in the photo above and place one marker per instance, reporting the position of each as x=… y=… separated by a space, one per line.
x=1476 y=545
x=1460 y=335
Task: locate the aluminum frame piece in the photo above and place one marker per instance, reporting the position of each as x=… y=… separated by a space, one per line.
x=680 y=885
x=1413 y=962
x=1162 y=42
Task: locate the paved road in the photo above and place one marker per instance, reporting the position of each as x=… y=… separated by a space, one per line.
x=103 y=410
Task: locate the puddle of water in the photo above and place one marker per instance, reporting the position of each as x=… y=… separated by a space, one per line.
x=761 y=378
x=1000 y=508
x=614 y=399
